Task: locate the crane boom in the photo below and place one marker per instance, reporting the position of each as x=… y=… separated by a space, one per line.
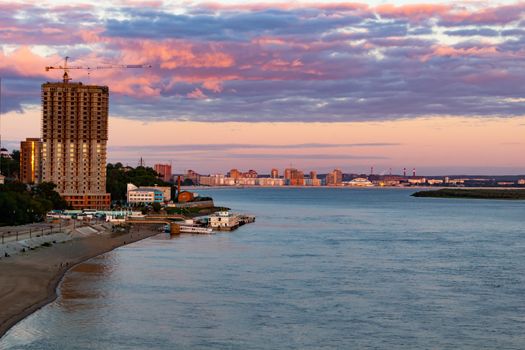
x=66 y=68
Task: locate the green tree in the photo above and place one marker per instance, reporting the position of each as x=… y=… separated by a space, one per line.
x=156 y=207
x=21 y=205
x=46 y=192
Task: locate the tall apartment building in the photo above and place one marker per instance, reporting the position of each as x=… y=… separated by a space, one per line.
x=288 y=173
x=30 y=161
x=274 y=174
x=164 y=171
x=314 y=181
x=74 y=138
x=334 y=178
x=234 y=173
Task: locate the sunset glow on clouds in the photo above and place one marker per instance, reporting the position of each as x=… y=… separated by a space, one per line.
x=286 y=62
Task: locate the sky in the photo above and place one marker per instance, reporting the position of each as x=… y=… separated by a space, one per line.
x=433 y=85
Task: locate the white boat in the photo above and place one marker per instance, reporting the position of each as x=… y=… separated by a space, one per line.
x=195 y=229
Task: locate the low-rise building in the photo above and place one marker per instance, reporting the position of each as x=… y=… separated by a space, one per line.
x=212 y=180
x=435 y=182
x=4 y=153
x=246 y=181
x=147 y=195
x=270 y=181
x=521 y=182
x=360 y=182
x=144 y=196
x=224 y=221
x=417 y=180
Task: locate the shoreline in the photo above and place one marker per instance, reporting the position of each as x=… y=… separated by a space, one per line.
x=488 y=194
x=415 y=188
x=29 y=281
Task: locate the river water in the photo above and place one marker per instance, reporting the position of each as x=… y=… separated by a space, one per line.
x=321 y=268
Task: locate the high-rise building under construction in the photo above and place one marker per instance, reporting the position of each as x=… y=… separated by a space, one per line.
x=74 y=139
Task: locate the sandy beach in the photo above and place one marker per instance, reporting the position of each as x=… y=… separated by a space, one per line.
x=28 y=281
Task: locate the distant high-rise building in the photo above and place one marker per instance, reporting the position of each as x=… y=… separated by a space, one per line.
x=250 y=174
x=234 y=173
x=314 y=181
x=293 y=177
x=334 y=178
x=164 y=171
x=288 y=173
x=274 y=173
x=74 y=139
x=193 y=176
x=30 y=161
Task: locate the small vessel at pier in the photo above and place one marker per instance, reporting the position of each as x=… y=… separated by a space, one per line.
x=195 y=229
x=227 y=221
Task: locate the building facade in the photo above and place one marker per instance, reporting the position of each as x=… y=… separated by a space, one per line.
x=164 y=171
x=145 y=196
x=235 y=173
x=148 y=194
x=193 y=176
x=334 y=178
x=30 y=161
x=74 y=139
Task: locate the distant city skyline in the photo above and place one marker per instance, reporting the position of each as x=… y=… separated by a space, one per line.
x=483 y=146
x=434 y=85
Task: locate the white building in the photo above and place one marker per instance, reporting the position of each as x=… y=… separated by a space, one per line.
x=417 y=180
x=224 y=221
x=270 y=181
x=246 y=181
x=2 y=179
x=360 y=182
x=145 y=195
x=435 y=182
x=213 y=180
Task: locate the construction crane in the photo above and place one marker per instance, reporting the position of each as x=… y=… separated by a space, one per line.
x=66 y=68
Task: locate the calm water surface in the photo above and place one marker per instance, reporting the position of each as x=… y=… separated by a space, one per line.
x=320 y=269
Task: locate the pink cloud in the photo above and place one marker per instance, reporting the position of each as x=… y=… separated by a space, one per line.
x=213 y=85
x=449 y=51
x=492 y=15
x=285 y=6
x=197 y=94
x=24 y=62
x=416 y=12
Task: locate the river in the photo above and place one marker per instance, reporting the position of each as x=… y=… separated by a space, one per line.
x=322 y=268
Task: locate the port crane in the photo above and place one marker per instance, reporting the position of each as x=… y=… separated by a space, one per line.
x=66 y=68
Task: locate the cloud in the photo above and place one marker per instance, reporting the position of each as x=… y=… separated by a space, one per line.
x=196 y=94
x=260 y=62
x=244 y=146
x=473 y=32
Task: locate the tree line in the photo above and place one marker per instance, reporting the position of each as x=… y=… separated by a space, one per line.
x=20 y=204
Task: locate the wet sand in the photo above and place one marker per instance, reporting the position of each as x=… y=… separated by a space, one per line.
x=28 y=281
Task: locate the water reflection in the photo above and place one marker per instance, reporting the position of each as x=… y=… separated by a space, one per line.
x=86 y=281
